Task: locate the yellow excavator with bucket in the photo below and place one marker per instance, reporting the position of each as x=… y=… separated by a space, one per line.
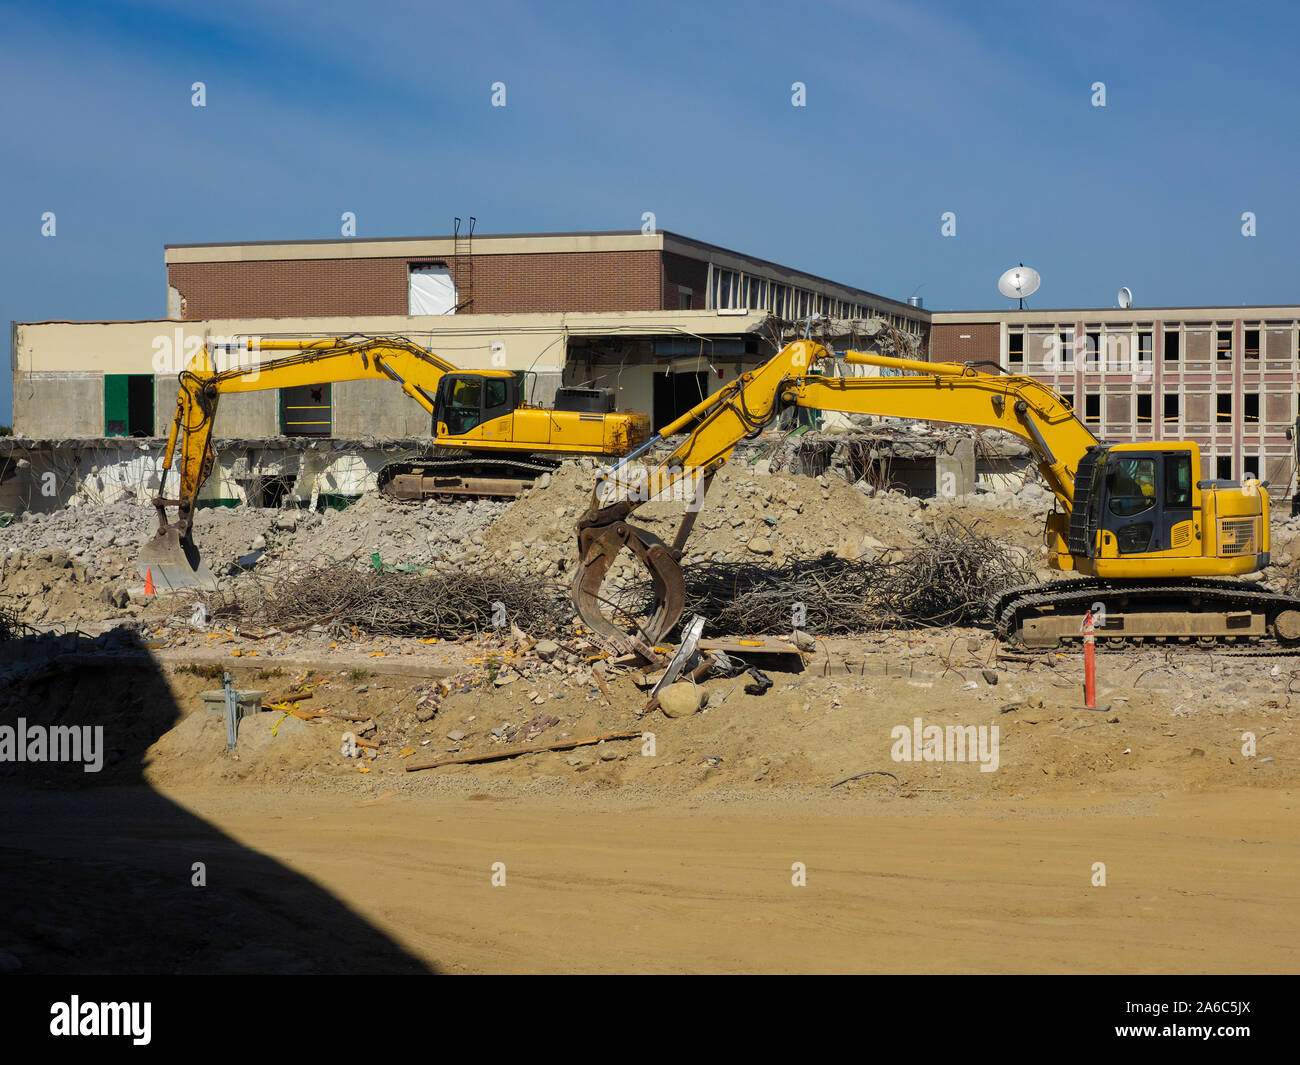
x=487 y=440
x=1138 y=526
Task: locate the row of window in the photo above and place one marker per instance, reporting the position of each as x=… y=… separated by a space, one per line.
x=1118 y=348
x=1172 y=407
x=736 y=290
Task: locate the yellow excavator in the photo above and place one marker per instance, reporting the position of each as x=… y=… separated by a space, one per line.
x=1145 y=533
x=487 y=440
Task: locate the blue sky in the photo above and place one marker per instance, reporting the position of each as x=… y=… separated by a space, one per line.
x=685 y=110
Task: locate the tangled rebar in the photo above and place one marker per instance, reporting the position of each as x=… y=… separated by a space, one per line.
x=945 y=580
x=471 y=600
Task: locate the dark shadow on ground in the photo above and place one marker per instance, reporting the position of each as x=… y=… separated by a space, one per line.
x=96 y=868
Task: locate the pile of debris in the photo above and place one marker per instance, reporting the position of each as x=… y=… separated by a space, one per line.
x=946 y=580
x=11 y=627
x=473 y=599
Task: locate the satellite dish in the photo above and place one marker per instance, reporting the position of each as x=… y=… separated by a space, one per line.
x=1019 y=282
x=1125 y=298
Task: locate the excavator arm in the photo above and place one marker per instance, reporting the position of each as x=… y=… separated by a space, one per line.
x=171 y=555
x=939 y=392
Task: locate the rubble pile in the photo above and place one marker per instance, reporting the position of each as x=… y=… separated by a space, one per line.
x=476 y=599
x=75 y=567
x=946 y=580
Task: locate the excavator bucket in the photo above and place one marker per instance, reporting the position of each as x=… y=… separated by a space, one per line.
x=174 y=563
x=598 y=548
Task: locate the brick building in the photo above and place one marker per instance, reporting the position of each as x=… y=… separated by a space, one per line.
x=538 y=273
x=659 y=318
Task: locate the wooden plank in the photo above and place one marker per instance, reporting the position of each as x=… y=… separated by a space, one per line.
x=515 y=752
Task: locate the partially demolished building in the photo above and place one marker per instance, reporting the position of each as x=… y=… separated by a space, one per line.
x=660 y=319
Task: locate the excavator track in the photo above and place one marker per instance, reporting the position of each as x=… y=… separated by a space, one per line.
x=461 y=475
x=1198 y=613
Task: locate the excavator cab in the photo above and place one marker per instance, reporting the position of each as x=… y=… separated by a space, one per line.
x=1144 y=496
x=464 y=401
x=1139 y=501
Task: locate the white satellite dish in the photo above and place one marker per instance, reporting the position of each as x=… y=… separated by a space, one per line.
x=1125 y=298
x=1019 y=282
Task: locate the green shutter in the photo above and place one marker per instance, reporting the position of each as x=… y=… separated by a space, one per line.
x=116 y=404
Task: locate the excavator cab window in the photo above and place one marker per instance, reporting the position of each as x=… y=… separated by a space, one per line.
x=464 y=405
x=1178 y=480
x=1131 y=486
x=1144 y=498
x=1132 y=502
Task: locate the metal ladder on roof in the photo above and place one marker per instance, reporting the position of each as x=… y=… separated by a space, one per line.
x=463 y=264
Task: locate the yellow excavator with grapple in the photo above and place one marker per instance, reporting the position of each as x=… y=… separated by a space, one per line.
x=487 y=440
x=1146 y=534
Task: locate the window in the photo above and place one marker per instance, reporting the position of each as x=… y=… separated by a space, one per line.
x=1144 y=409
x=1172 y=339
x=1092 y=351
x=1132 y=486
x=464 y=407
x=1171 y=407
x=1250 y=407
x=1145 y=353
x=305 y=410
x=431 y=290
x=724 y=288
x=1065 y=347
x=1092 y=408
x=128 y=404
x=1250 y=467
x=1251 y=346
x=1223 y=468
x=1016 y=348
x=1069 y=399
x=684 y=297
x=1223 y=345
x=1178 y=480
x=1223 y=407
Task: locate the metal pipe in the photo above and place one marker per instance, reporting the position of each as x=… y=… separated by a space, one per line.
x=930 y=369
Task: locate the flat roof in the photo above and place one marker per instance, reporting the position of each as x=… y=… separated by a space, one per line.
x=572 y=241
x=1287 y=310
x=437 y=236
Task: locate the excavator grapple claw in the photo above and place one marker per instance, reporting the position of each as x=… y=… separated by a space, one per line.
x=598 y=548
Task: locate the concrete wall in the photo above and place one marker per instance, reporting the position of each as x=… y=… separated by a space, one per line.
x=63 y=364
x=251 y=415
x=70 y=403
x=377 y=408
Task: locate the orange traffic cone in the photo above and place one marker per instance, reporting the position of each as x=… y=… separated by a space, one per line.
x=148 y=582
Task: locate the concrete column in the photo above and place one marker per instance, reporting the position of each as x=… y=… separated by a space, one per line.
x=954 y=475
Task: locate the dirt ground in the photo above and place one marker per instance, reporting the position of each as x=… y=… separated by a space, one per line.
x=680 y=860
x=822 y=825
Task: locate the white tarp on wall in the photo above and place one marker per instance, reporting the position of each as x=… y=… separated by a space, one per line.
x=432 y=290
